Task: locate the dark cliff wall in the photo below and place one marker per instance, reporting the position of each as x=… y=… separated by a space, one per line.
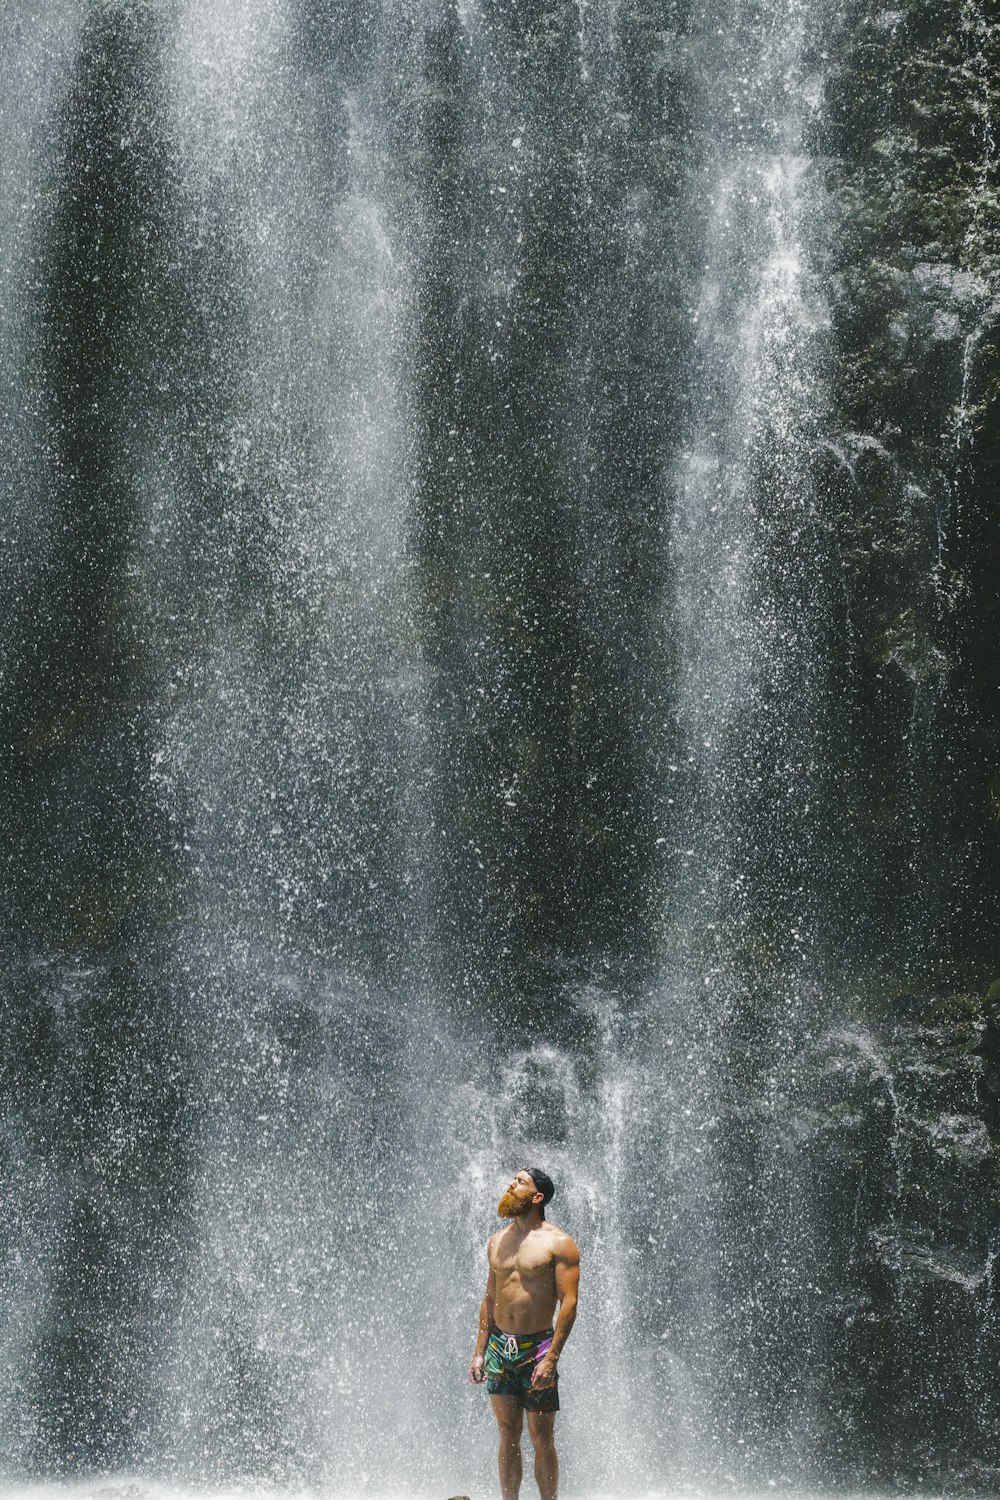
x=912 y=131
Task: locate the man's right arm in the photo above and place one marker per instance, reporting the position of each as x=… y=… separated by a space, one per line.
x=477 y=1373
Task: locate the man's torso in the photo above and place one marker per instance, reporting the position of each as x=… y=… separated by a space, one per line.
x=525 y=1279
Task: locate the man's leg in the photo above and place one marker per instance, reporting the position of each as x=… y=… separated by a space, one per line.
x=541 y=1426
x=510 y=1420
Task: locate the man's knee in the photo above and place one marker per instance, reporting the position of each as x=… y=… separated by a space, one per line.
x=541 y=1426
x=511 y=1429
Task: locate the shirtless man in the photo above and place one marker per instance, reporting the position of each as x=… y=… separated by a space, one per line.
x=533 y=1265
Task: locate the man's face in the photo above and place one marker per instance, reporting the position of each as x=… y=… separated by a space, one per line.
x=519 y=1197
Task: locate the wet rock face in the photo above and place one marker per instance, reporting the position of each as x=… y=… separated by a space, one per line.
x=912 y=454
x=903 y=1144
x=905 y=1151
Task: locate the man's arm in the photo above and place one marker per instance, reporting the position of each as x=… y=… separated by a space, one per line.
x=567 y=1270
x=477 y=1374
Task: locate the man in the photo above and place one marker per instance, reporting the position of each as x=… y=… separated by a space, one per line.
x=533 y=1265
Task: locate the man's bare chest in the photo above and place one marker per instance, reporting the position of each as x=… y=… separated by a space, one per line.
x=527 y=1263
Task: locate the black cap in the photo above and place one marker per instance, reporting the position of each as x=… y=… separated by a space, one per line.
x=543 y=1182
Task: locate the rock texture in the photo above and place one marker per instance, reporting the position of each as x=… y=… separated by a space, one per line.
x=914 y=459
x=901 y=1136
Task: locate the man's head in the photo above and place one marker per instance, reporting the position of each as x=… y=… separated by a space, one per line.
x=529 y=1188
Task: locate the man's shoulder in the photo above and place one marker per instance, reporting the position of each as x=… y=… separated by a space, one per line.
x=563 y=1246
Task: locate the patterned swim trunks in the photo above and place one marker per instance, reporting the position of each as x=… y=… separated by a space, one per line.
x=510 y=1364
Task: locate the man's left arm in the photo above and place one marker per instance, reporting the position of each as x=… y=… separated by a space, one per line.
x=567 y=1271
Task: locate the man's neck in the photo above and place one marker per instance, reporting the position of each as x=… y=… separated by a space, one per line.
x=525 y=1222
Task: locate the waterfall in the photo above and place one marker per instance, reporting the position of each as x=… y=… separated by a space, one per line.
x=745 y=941
x=497 y=641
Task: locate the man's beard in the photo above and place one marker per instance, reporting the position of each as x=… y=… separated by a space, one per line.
x=512 y=1207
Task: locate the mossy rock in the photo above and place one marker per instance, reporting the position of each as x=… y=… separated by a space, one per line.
x=962 y=1008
